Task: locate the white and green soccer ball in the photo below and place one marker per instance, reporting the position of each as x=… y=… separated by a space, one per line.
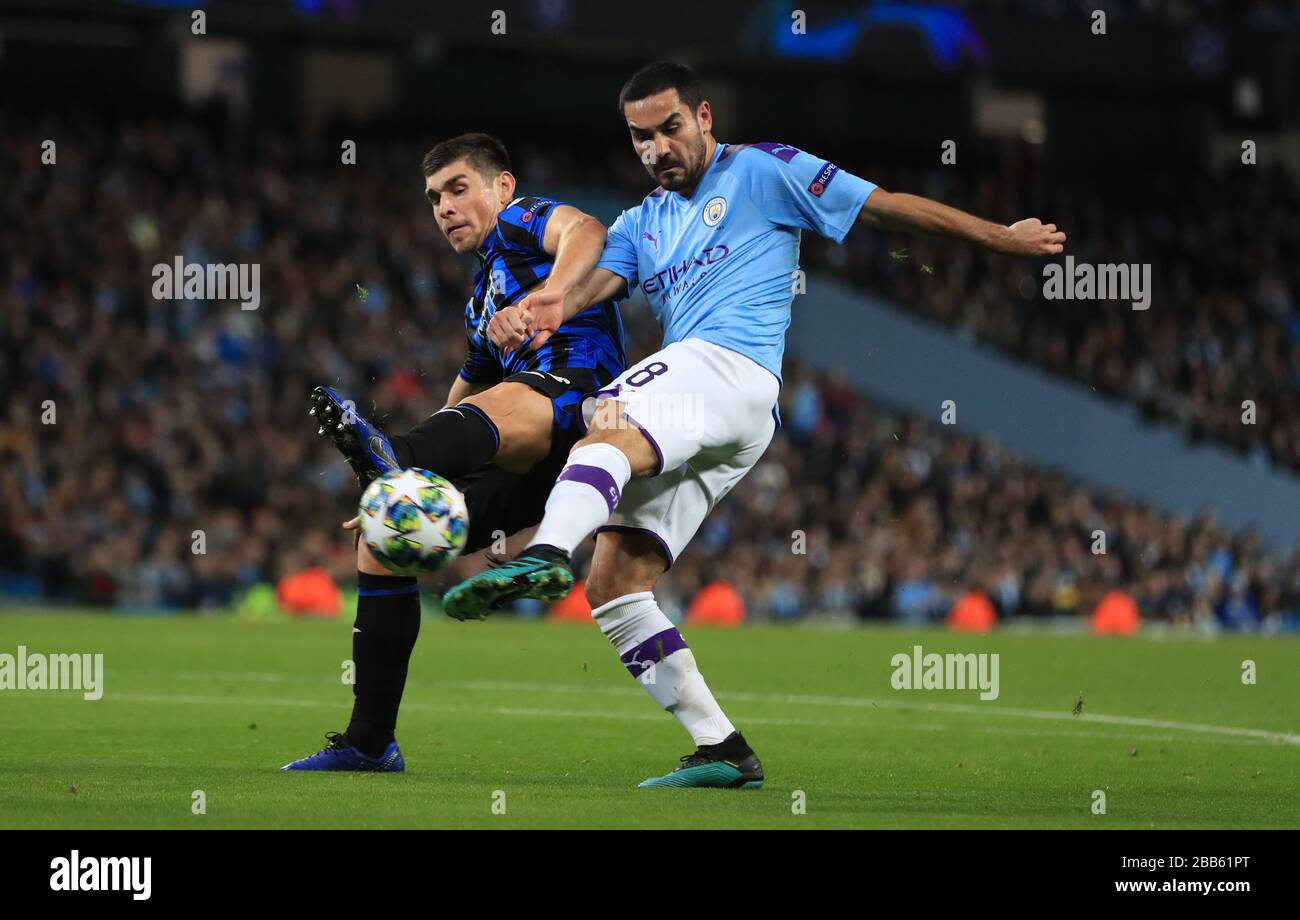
x=413 y=521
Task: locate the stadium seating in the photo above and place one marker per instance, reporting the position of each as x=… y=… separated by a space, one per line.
x=197 y=430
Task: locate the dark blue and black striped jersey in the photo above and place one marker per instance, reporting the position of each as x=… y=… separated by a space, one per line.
x=513 y=262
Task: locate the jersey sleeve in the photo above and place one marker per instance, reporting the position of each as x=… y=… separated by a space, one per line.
x=797 y=189
x=620 y=254
x=523 y=222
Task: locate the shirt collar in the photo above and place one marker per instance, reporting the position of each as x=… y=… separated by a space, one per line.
x=489 y=241
x=717 y=155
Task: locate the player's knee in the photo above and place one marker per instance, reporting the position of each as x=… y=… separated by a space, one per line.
x=490 y=403
x=523 y=419
x=602 y=587
x=594 y=436
x=616 y=431
x=512 y=402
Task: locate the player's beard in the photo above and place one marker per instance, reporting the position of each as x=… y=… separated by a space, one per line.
x=692 y=170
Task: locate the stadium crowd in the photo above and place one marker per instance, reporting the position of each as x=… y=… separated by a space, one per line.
x=899 y=518
x=1223 y=325
x=159 y=453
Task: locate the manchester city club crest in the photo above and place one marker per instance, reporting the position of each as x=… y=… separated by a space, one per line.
x=714 y=211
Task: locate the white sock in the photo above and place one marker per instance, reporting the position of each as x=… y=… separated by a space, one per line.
x=655 y=653
x=584 y=496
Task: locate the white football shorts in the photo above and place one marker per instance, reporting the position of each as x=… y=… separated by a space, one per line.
x=708 y=412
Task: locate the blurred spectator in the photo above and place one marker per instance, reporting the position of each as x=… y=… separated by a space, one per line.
x=179 y=468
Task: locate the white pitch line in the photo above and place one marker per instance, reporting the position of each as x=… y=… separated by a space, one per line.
x=537 y=712
x=1251 y=736
x=530 y=712
x=597 y=689
x=1255 y=734
x=959 y=708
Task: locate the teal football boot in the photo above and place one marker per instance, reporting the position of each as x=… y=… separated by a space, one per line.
x=730 y=764
x=539 y=571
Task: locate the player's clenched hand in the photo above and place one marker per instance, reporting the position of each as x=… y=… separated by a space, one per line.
x=543 y=312
x=507 y=329
x=1030 y=237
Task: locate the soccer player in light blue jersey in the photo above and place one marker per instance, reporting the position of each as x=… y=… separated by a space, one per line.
x=715 y=249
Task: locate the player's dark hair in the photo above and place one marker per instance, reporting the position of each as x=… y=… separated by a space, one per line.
x=659 y=76
x=483 y=151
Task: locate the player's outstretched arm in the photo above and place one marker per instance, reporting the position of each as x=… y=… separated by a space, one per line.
x=546 y=309
x=576 y=240
x=914 y=214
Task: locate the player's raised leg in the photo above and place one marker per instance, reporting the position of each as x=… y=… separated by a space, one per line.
x=388 y=606
x=508 y=425
x=583 y=497
x=688 y=423
x=620 y=586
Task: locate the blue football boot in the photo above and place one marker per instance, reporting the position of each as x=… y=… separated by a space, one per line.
x=339 y=755
x=729 y=764
x=364 y=446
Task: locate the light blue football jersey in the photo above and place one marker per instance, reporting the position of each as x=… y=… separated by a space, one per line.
x=720 y=265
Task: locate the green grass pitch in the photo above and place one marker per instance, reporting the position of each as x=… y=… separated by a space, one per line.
x=543 y=719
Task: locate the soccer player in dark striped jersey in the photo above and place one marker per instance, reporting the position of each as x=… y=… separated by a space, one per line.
x=508 y=424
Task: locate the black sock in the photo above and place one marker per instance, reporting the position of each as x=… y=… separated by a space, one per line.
x=388 y=620
x=451 y=443
x=548 y=552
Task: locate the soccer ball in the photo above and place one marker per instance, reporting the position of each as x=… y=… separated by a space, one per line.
x=413 y=521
